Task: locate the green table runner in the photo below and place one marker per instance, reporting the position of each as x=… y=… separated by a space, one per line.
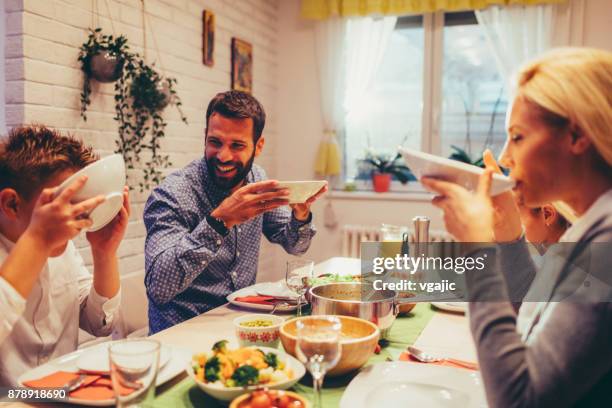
x=404 y=332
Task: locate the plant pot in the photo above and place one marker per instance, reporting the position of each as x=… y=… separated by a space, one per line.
x=164 y=89
x=381 y=182
x=105 y=67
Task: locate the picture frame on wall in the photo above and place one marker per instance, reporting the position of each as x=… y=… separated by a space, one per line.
x=208 y=40
x=242 y=65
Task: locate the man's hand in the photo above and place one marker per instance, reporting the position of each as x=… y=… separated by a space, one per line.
x=105 y=241
x=55 y=220
x=302 y=211
x=249 y=201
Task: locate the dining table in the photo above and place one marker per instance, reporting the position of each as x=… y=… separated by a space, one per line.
x=433 y=331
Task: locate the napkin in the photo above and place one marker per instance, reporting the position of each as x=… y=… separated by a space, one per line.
x=95 y=387
x=468 y=365
x=260 y=300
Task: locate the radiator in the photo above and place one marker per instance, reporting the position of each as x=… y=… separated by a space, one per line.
x=354 y=235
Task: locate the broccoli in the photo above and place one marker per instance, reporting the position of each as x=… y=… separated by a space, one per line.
x=271 y=359
x=246 y=375
x=211 y=369
x=220 y=346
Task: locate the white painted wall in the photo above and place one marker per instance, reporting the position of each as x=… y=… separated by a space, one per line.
x=43 y=79
x=597 y=27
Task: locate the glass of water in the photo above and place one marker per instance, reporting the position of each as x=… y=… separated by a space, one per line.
x=298 y=276
x=318 y=347
x=134 y=365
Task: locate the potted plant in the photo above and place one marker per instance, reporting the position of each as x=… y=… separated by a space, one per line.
x=384 y=168
x=102 y=58
x=141 y=94
x=463 y=156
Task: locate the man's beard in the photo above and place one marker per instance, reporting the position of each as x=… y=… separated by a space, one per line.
x=229 y=183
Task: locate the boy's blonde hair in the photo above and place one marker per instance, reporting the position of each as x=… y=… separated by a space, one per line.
x=572 y=87
x=31 y=155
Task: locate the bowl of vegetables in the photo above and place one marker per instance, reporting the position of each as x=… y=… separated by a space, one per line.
x=261 y=330
x=225 y=374
x=270 y=399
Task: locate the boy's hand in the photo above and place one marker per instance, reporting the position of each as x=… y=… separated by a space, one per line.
x=106 y=240
x=55 y=220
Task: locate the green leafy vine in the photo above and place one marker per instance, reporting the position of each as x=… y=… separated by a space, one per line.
x=141 y=94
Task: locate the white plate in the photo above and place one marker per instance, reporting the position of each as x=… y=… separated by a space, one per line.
x=271 y=288
x=404 y=384
x=455 y=307
x=176 y=365
x=466 y=175
x=300 y=191
x=96 y=358
x=229 y=393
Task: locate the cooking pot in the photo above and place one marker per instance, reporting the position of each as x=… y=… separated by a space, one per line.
x=357 y=300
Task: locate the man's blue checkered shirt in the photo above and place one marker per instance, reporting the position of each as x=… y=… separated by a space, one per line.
x=190 y=267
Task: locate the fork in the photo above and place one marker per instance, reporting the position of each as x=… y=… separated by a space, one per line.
x=75 y=382
x=428 y=358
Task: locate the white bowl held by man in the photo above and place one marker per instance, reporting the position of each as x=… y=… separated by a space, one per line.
x=104 y=177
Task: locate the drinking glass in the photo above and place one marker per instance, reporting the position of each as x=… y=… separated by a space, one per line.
x=134 y=364
x=318 y=347
x=298 y=276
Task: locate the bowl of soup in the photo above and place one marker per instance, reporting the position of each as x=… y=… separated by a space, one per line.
x=358 y=339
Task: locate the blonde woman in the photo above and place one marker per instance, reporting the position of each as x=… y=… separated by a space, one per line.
x=559 y=149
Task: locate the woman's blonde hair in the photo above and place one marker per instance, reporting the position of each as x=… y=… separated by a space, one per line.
x=573 y=86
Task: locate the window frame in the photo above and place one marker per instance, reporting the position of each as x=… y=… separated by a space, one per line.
x=432 y=99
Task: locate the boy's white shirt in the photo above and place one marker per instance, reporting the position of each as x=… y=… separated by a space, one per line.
x=46 y=324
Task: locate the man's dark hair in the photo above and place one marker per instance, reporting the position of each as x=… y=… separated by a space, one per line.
x=238 y=105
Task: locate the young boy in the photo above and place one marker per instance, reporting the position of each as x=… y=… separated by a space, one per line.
x=46 y=293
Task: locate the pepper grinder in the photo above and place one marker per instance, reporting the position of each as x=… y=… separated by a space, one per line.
x=421 y=234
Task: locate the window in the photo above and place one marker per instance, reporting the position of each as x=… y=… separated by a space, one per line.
x=437 y=86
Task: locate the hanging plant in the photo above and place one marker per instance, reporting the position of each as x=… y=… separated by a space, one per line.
x=102 y=58
x=141 y=94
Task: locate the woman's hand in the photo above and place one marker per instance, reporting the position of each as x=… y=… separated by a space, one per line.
x=467 y=216
x=507 y=226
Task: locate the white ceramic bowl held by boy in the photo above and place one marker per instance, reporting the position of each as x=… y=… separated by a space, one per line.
x=104 y=177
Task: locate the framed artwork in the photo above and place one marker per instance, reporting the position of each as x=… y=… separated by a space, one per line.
x=208 y=41
x=242 y=65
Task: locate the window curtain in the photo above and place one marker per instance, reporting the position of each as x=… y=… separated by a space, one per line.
x=367 y=42
x=518 y=34
x=330 y=46
x=324 y=9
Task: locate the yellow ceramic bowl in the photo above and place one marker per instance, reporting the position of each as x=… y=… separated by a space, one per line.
x=236 y=402
x=359 y=339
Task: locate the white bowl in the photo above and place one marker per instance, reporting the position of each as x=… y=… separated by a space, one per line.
x=229 y=393
x=266 y=336
x=466 y=175
x=300 y=191
x=105 y=177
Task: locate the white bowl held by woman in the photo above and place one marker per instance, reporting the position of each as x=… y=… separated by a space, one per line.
x=104 y=177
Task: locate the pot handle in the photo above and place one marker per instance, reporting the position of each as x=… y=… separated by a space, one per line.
x=397 y=302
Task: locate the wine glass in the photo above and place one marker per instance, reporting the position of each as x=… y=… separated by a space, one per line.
x=318 y=347
x=134 y=365
x=298 y=276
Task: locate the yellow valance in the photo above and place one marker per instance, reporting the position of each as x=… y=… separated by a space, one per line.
x=323 y=9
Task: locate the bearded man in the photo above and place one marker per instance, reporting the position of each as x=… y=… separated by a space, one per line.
x=204 y=222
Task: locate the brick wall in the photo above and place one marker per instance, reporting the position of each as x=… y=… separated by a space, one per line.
x=43 y=79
